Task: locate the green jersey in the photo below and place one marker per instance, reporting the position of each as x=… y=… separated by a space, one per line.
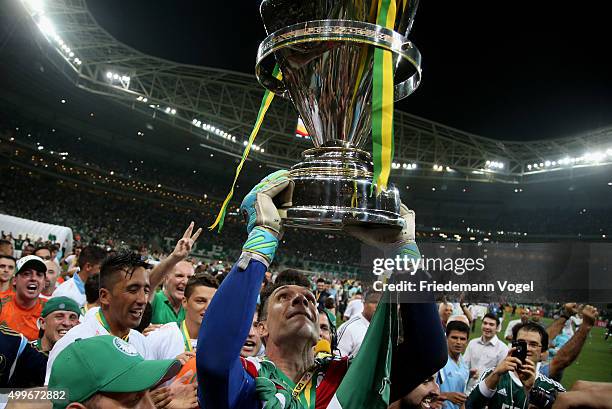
x=163 y=312
x=509 y=393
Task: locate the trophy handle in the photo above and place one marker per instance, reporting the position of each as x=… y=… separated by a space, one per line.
x=341 y=31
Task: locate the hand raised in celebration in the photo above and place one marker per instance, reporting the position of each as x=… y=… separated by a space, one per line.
x=185 y=244
x=589 y=315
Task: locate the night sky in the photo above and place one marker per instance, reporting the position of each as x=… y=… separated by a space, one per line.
x=501 y=69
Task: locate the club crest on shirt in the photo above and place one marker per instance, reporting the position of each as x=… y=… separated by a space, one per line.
x=124 y=347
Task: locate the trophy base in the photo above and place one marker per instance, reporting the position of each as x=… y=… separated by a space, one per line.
x=334 y=189
x=335 y=219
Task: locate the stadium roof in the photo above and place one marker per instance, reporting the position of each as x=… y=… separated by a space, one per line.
x=218 y=107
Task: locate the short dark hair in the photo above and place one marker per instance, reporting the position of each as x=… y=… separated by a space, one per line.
x=372 y=296
x=457 y=326
x=92 y=288
x=491 y=316
x=91 y=255
x=125 y=262
x=531 y=326
x=201 y=279
x=330 y=302
x=43 y=247
x=4 y=242
x=285 y=277
x=320 y=280
x=9 y=257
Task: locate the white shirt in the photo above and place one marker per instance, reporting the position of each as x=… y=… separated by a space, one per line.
x=69 y=289
x=353 y=308
x=482 y=355
x=570 y=326
x=166 y=342
x=511 y=325
x=90 y=327
x=351 y=334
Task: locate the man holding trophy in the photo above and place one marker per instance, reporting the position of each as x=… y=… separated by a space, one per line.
x=337 y=60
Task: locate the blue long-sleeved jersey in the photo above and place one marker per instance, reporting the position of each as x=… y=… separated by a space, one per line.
x=223 y=381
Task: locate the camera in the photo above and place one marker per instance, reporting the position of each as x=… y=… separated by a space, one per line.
x=541 y=398
x=521 y=350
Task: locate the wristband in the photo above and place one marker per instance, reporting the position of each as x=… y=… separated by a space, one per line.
x=260 y=245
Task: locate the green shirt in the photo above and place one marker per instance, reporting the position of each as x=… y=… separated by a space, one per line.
x=509 y=393
x=162 y=311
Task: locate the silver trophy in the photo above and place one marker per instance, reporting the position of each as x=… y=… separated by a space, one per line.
x=325 y=51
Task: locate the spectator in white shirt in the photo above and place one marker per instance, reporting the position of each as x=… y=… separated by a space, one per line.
x=124 y=291
x=354 y=307
x=485 y=352
x=525 y=315
x=352 y=332
x=90 y=260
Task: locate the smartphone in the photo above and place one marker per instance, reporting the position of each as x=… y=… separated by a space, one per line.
x=521 y=350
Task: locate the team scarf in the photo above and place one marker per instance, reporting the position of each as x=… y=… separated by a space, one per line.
x=265 y=104
x=382 y=102
x=186 y=337
x=104 y=323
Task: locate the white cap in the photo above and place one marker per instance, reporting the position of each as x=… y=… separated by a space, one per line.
x=32 y=261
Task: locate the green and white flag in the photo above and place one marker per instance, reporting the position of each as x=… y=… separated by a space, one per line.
x=367 y=384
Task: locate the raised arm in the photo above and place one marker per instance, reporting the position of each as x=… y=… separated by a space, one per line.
x=180 y=253
x=223 y=383
x=570 y=351
x=421 y=323
x=556 y=327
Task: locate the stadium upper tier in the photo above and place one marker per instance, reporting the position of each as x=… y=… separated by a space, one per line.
x=218 y=108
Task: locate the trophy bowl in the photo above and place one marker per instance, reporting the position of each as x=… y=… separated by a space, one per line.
x=325 y=51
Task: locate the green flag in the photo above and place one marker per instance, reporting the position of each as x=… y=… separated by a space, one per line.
x=367 y=384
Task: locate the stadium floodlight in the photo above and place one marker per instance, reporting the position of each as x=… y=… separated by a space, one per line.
x=46 y=27
x=37 y=6
x=529 y=167
x=109 y=75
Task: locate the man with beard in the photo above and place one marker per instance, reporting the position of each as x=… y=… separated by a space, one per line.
x=289 y=376
x=175 y=338
x=454 y=376
x=510 y=383
x=53 y=270
x=124 y=290
x=59 y=315
x=423 y=396
x=20 y=311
